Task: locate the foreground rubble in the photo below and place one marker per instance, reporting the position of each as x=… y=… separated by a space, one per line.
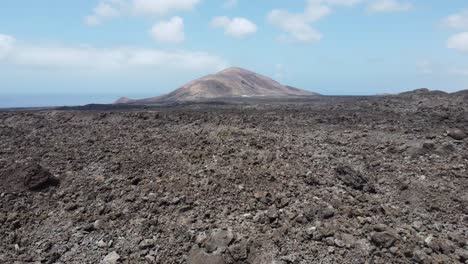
x=338 y=180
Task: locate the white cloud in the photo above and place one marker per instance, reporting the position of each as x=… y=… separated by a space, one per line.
x=316 y=10
x=387 y=6
x=297 y=26
x=105 y=10
x=110 y=9
x=230 y=3
x=6 y=45
x=162 y=7
x=294 y=25
x=457 y=21
x=221 y=21
x=342 y=2
x=458 y=42
x=171 y=31
x=237 y=27
x=88 y=58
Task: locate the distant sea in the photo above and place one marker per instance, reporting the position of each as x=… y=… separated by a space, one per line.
x=44 y=100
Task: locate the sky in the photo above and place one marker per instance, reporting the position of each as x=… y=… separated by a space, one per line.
x=55 y=52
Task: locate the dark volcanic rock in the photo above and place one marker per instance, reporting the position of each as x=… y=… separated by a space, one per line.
x=31 y=177
x=239 y=251
x=200 y=257
x=319 y=212
x=457 y=134
x=218 y=240
x=384 y=239
x=353 y=178
x=330 y=180
x=36 y=177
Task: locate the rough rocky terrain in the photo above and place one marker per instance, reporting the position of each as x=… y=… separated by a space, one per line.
x=334 y=180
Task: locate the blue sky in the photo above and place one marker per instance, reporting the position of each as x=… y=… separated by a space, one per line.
x=98 y=50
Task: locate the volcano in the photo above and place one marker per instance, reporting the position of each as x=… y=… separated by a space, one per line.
x=229 y=83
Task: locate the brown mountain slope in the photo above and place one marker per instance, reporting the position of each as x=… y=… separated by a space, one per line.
x=461 y=93
x=231 y=82
x=423 y=92
x=124 y=100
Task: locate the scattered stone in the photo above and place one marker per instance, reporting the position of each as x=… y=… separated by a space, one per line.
x=29 y=177
x=101 y=244
x=282 y=202
x=417 y=225
x=394 y=250
x=457 y=134
x=348 y=240
x=98 y=224
x=383 y=239
x=420 y=257
x=441 y=245
x=52 y=258
x=37 y=178
x=264 y=197
x=239 y=251
x=311 y=179
x=111 y=258
x=147 y=243
x=380 y=227
x=458 y=239
x=272 y=214
x=150 y=258
x=135 y=181
x=200 y=257
x=89 y=228
x=428 y=146
x=462 y=254
x=339 y=243
x=71 y=207
x=301 y=219
x=323 y=232
x=319 y=212
x=353 y=178
x=218 y=240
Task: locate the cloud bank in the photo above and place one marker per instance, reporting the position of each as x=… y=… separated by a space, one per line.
x=387 y=6
x=237 y=27
x=162 y=7
x=457 y=21
x=458 y=42
x=299 y=26
x=110 y=9
x=87 y=58
x=171 y=31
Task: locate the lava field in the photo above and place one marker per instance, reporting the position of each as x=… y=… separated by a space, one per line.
x=330 y=180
